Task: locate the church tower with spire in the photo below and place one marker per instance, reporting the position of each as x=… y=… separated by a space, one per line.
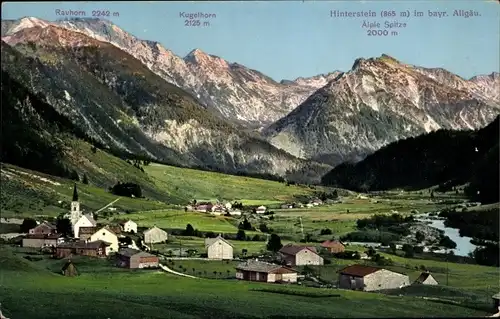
x=75 y=214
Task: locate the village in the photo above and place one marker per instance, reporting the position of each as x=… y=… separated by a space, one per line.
x=121 y=241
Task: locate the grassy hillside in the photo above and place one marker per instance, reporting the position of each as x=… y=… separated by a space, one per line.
x=187 y=184
x=153 y=294
x=27 y=193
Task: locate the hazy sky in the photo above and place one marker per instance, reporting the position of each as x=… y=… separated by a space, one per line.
x=286 y=40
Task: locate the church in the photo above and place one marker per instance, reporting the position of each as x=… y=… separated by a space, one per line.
x=77 y=218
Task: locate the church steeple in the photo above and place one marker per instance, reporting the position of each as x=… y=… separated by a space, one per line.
x=75 y=194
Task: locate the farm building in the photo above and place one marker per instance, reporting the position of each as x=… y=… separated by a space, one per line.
x=128 y=226
x=228 y=205
x=39 y=240
x=69 y=269
x=425 y=278
x=295 y=255
x=204 y=207
x=333 y=246
x=84 y=221
x=317 y=202
x=84 y=233
x=235 y=212
x=107 y=235
x=155 y=235
x=309 y=205
x=43 y=228
x=218 y=248
x=260 y=210
x=496 y=301
x=253 y=270
x=133 y=258
x=366 y=278
x=84 y=248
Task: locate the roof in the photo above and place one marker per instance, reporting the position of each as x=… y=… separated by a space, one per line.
x=211 y=241
x=68 y=264
x=496 y=296
x=111 y=229
x=291 y=249
x=44 y=236
x=90 y=219
x=75 y=194
x=358 y=270
x=46 y=223
x=84 y=244
x=123 y=221
x=423 y=277
x=153 y=228
x=331 y=243
x=129 y=252
x=261 y=207
x=260 y=266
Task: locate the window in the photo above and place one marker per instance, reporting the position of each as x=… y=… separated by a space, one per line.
x=103 y=233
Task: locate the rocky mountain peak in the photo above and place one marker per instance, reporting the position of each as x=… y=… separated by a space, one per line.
x=49 y=35
x=201 y=58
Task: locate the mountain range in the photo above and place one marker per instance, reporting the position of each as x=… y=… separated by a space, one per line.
x=140 y=98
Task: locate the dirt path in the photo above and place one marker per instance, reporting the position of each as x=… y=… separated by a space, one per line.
x=175 y=272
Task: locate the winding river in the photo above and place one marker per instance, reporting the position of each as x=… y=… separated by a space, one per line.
x=464 y=246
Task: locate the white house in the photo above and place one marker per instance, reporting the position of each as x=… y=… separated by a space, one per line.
x=218 y=248
x=84 y=221
x=155 y=235
x=309 y=205
x=107 y=235
x=129 y=226
x=235 y=212
x=228 y=206
x=261 y=210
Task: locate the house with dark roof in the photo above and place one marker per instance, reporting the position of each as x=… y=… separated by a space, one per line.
x=43 y=228
x=253 y=270
x=496 y=301
x=295 y=255
x=133 y=259
x=425 y=278
x=42 y=240
x=84 y=248
x=367 y=278
x=333 y=246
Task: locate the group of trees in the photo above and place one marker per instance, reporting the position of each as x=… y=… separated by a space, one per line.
x=127 y=189
x=427 y=160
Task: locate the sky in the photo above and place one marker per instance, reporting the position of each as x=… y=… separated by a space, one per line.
x=290 y=39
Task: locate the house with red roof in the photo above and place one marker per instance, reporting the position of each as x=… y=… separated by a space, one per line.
x=295 y=255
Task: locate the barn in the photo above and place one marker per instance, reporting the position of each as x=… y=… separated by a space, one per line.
x=367 y=278
x=133 y=259
x=253 y=270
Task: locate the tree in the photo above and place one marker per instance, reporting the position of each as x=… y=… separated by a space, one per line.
x=392 y=246
x=28 y=223
x=85 y=179
x=189 y=230
x=63 y=226
x=408 y=249
x=241 y=235
x=274 y=243
x=74 y=176
x=263 y=228
x=245 y=225
x=420 y=236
